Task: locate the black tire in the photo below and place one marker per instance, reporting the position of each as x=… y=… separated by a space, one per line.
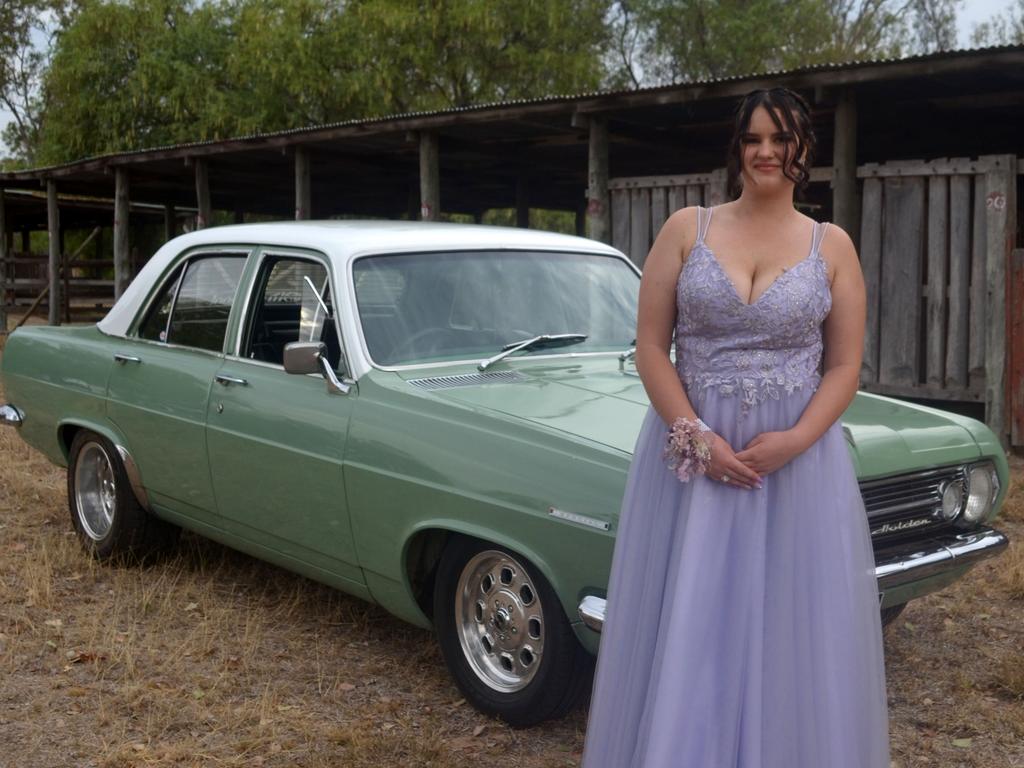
x=521 y=618
x=109 y=521
x=889 y=614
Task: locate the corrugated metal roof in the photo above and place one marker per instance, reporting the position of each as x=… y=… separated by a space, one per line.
x=548 y=99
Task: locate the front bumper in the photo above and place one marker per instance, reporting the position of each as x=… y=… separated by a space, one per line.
x=904 y=571
x=10 y=416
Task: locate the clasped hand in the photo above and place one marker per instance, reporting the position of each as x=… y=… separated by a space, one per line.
x=766 y=453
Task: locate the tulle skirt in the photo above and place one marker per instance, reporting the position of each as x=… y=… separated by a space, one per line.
x=742 y=626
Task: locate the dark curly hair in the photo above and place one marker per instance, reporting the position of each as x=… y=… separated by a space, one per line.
x=796 y=119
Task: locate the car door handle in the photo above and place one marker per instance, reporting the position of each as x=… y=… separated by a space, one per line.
x=121 y=358
x=220 y=378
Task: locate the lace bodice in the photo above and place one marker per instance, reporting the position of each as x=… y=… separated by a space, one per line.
x=755 y=351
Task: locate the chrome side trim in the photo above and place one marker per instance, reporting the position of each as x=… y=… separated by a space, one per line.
x=134 y=478
x=893 y=567
x=575 y=517
x=11 y=416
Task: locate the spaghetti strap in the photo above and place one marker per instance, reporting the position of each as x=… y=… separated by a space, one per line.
x=703 y=221
x=819 y=235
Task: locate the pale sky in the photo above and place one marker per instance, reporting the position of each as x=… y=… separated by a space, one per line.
x=971 y=12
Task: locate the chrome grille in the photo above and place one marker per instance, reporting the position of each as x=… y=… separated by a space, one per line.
x=910 y=503
x=467 y=379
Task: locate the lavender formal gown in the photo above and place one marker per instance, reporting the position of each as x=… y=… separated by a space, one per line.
x=742 y=626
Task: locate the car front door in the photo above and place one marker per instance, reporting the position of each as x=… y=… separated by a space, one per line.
x=276 y=440
x=158 y=389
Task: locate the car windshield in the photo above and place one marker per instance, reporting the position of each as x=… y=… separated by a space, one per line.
x=432 y=307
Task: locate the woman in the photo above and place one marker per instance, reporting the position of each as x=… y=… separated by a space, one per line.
x=742 y=628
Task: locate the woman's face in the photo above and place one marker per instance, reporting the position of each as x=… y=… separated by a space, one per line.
x=764 y=148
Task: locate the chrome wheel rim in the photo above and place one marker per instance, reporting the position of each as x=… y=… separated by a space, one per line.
x=500 y=621
x=95 y=490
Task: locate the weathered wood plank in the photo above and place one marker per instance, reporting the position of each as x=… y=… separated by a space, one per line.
x=900 y=296
x=871 y=266
x=1016 y=406
x=620 y=220
x=976 y=311
x=944 y=167
x=845 y=201
x=599 y=226
x=676 y=199
x=430 y=177
x=1001 y=221
x=122 y=268
x=717 y=189
x=659 y=210
x=303 y=185
x=53 y=233
x=639 y=225
x=938 y=252
x=959 y=280
x=695 y=194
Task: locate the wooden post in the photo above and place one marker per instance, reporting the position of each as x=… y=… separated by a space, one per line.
x=1001 y=231
x=599 y=224
x=202 y=194
x=122 y=267
x=1016 y=406
x=430 y=177
x=845 y=201
x=522 y=200
x=303 y=191
x=53 y=233
x=26 y=241
x=4 y=251
x=66 y=273
x=170 y=223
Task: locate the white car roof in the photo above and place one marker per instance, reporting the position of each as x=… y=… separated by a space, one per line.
x=341 y=241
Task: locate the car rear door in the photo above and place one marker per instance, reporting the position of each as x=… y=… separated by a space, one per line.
x=275 y=440
x=158 y=389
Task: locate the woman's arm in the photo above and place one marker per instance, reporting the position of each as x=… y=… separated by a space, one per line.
x=656 y=318
x=843 y=336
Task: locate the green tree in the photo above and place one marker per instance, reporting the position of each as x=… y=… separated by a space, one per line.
x=1005 y=28
x=142 y=73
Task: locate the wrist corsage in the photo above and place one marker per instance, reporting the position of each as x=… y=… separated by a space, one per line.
x=688 y=448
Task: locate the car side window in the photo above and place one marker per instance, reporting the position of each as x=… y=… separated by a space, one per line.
x=290 y=297
x=193 y=310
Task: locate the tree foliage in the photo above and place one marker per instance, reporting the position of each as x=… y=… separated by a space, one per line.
x=123 y=74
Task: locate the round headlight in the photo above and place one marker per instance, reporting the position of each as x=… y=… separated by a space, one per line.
x=982 y=485
x=952 y=498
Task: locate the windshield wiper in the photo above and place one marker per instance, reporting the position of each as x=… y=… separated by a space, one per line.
x=627 y=355
x=537 y=342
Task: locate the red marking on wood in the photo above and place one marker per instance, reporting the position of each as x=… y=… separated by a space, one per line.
x=595 y=207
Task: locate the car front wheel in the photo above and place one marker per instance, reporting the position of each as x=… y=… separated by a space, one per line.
x=109 y=521
x=504 y=635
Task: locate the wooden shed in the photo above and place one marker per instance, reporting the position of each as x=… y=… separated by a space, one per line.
x=920 y=159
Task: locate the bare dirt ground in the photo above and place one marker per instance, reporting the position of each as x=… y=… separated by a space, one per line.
x=211 y=658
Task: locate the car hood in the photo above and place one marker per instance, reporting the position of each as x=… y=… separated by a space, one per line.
x=593 y=400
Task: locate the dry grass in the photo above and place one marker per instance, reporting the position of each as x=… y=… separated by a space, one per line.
x=208 y=657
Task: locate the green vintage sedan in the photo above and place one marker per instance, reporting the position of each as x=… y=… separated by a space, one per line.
x=435 y=418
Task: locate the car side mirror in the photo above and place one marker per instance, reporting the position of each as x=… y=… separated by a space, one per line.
x=303 y=357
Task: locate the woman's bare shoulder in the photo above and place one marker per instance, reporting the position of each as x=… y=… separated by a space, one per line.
x=681 y=229
x=837 y=249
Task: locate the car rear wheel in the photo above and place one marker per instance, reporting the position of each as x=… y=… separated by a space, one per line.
x=109 y=521
x=504 y=635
